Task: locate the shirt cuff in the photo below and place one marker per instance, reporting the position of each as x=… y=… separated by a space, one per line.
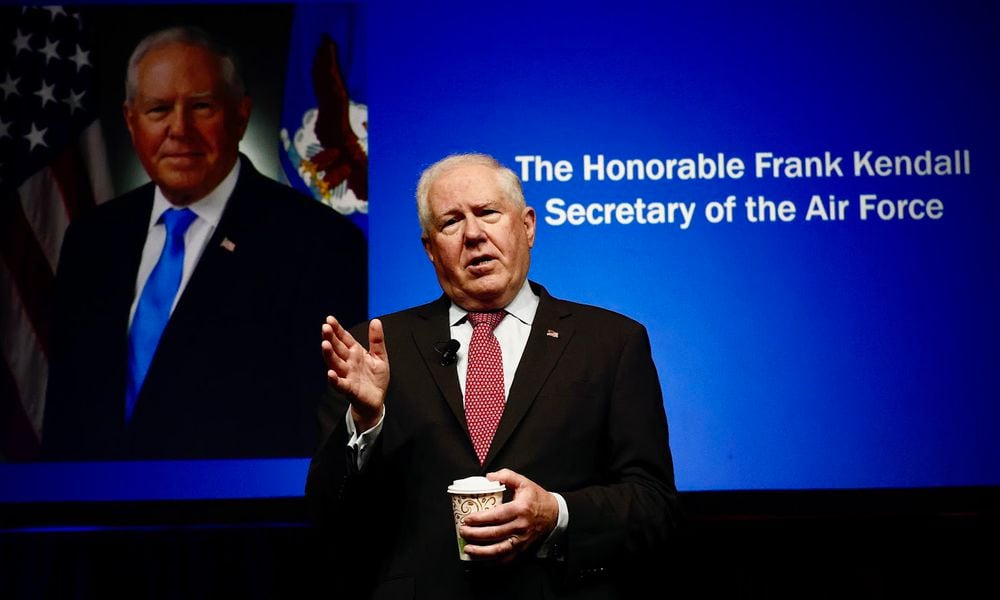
x=551 y=547
x=361 y=443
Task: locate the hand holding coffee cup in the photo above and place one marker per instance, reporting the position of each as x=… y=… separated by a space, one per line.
x=471 y=495
x=520 y=525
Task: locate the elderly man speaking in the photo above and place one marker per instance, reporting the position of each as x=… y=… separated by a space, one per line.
x=558 y=401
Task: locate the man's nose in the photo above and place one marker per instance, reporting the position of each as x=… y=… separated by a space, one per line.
x=180 y=121
x=474 y=232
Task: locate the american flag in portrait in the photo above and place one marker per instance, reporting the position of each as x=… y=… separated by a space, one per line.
x=52 y=168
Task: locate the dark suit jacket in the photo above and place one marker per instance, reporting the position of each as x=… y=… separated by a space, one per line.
x=584 y=418
x=238 y=369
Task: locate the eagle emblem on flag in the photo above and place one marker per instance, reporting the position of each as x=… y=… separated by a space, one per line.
x=330 y=147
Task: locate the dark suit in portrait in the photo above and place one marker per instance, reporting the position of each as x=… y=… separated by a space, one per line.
x=237 y=372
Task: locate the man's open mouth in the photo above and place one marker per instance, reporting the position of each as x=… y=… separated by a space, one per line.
x=482 y=260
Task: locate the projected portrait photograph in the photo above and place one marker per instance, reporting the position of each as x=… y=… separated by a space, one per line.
x=185 y=199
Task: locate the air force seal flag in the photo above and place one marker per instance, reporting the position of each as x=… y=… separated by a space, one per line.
x=324 y=133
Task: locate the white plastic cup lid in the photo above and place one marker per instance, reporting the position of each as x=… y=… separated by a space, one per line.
x=475 y=485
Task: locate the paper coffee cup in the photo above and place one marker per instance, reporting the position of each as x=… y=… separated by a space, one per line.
x=470 y=495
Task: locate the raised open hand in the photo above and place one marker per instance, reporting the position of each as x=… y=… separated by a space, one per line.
x=363 y=375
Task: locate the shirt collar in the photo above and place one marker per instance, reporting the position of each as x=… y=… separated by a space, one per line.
x=208 y=208
x=523 y=307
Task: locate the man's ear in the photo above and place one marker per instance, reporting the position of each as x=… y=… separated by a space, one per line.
x=128 y=115
x=426 y=241
x=528 y=219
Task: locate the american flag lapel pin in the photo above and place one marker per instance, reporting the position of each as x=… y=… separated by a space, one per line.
x=552 y=333
x=228 y=244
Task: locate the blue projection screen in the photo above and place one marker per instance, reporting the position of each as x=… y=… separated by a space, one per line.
x=797 y=200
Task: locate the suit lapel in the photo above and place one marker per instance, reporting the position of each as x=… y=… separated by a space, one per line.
x=432 y=330
x=133 y=236
x=551 y=332
x=127 y=241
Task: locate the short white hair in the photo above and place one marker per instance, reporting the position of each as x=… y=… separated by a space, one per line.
x=189 y=36
x=510 y=185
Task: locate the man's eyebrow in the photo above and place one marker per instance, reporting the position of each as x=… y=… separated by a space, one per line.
x=490 y=203
x=143 y=98
x=196 y=96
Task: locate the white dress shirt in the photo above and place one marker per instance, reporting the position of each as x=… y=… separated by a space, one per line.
x=512 y=334
x=209 y=211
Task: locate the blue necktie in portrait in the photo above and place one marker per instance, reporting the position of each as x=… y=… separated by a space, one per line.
x=153 y=311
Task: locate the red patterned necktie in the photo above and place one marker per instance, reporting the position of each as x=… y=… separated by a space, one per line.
x=484 y=386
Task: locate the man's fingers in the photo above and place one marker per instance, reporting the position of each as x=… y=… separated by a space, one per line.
x=343 y=384
x=489 y=534
x=339 y=365
x=334 y=361
x=504 y=548
x=359 y=373
x=332 y=379
x=507 y=477
x=494 y=516
x=328 y=354
x=376 y=340
x=340 y=339
x=338 y=330
x=336 y=354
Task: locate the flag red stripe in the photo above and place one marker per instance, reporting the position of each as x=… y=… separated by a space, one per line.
x=28 y=267
x=18 y=440
x=71 y=174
